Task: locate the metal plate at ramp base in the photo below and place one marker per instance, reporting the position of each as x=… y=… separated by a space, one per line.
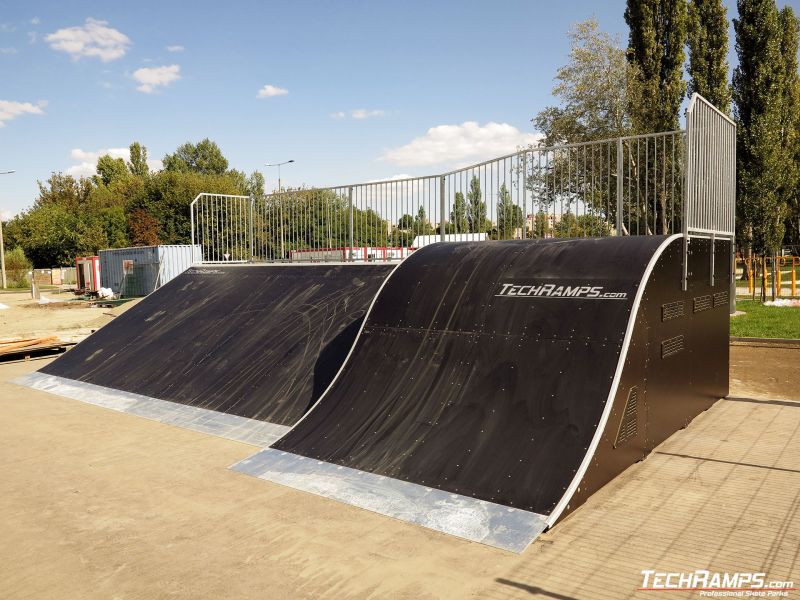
x=233 y=427
x=475 y=520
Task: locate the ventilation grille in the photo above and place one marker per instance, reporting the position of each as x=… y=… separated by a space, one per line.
x=702 y=303
x=671 y=346
x=721 y=299
x=673 y=310
x=628 y=423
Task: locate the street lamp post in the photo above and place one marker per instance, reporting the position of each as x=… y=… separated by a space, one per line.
x=2 y=248
x=286 y=162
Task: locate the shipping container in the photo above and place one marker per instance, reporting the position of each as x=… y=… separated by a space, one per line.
x=141 y=270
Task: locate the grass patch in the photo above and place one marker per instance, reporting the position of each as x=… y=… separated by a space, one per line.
x=765 y=321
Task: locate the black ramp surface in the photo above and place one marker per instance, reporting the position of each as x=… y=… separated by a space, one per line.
x=261 y=342
x=483 y=369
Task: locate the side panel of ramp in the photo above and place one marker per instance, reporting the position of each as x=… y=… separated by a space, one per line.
x=260 y=342
x=491 y=372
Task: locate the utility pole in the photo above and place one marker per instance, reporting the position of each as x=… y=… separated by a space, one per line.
x=2 y=245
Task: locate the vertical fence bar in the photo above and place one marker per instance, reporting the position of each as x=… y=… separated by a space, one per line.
x=442 y=208
x=350 y=222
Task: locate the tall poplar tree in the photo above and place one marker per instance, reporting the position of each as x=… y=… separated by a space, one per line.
x=708 y=52
x=655 y=49
x=790 y=121
x=758 y=86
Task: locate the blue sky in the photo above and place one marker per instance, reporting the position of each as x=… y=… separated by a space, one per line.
x=342 y=88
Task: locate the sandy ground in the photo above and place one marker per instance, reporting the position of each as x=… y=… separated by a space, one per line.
x=99 y=504
x=64 y=317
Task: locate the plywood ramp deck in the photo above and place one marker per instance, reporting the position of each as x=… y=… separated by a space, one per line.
x=100 y=504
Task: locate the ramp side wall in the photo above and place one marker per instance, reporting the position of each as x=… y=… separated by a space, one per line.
x=677 y=363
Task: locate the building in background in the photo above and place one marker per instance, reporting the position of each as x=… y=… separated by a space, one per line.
x=141 y=270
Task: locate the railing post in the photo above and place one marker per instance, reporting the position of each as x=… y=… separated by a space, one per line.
x=191 y=220
x=441 y=208
x=252 y=242
x=350 y=222
x=283 y=235
x=620 y=186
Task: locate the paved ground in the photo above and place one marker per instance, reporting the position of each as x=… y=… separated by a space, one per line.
x=99 y=504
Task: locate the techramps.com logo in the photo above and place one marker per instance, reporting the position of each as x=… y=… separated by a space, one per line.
x=711 y=584
x=552 y=290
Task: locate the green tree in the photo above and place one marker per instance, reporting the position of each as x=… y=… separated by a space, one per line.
x=759 y=87
x=48 y=234
x=110 y=169
x=509 y=215
x=655 y=51
x=790 y=122
x=63 y=190
x=458 y=216
x=571 y=226
x=254 y=185
x=591 y=88
x=541 y=225
x=422 y=226
x=476 y=207
x=138 y=162
x=708 y=52
x=656 y=88
x=203 y=157
x=406 y=222
x=17 y=266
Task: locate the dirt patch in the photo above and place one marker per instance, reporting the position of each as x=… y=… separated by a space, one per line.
x=73 y=304
x=63 y=316
x=765 y=372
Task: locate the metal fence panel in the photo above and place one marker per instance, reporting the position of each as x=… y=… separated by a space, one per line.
x=711 y=170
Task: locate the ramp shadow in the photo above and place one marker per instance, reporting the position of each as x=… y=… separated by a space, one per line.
x=533 y=590
x=331 y=358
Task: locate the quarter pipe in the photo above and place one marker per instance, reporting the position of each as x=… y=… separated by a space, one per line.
x=494 y=386
x=238 y=343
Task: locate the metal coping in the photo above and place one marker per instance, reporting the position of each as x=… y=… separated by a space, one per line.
x=287 y=263
x=503 y=527
x=232 y=427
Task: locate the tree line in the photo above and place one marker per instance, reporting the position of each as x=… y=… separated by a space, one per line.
x=124 y=204
x=609 y=90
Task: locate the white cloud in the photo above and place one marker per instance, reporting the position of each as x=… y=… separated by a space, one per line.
x=270 y=91
x=32 y=37
x=87 y=160
x=338 y=115
x=8 y=50
x=92 y=39
x=363 y=113
x=10 y=110
x=7 y=28
x=450 y=143
x=152 y=78
x=6 y=215
x=35 y=21
x=175 y=48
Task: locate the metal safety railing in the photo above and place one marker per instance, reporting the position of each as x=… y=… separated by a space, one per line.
x=634 y=185
x=623 y=186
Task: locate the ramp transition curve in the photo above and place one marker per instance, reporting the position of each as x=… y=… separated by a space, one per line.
x=495 y=385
